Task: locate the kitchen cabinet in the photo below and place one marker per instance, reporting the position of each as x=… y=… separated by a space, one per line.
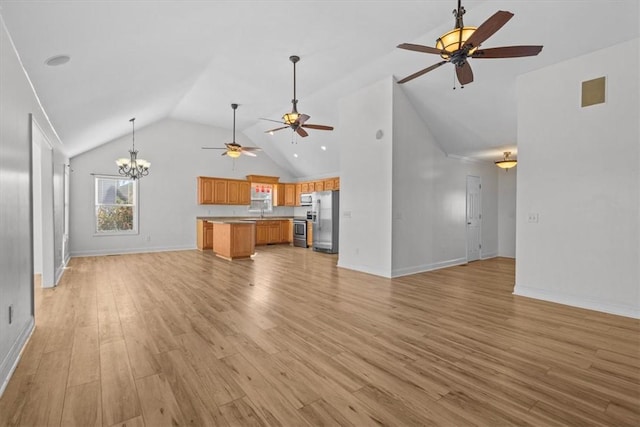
x=290 y=195
x=204 y=235
x=318 y=186
x=273 y=231
x=278 y=195
x=336 y=183
x=309 y=234
x=221 y=191
x=286 y=231
x=238 y=192
x=297 y=195
x=328 y=184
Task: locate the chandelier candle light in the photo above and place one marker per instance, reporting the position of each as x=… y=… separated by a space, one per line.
x=133 y=167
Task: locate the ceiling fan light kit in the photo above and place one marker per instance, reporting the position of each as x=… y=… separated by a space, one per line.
x=462 y=43
x=506 y=163
x=233 y=149
x=294 y=120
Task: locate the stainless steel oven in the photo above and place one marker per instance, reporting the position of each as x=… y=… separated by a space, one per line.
x=300 y=233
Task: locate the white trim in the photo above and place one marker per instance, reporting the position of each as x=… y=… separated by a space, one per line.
x=101 y=252
x=9 y=364
x=578 y=301
x=364 y=269
x=490 y=255
x=428 y=267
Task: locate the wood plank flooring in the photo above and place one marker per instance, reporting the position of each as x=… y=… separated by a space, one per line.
x=289 y=339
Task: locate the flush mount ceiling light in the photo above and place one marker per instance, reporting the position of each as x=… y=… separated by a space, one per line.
x=506 y=162
x=133 y=167
x=54 y=61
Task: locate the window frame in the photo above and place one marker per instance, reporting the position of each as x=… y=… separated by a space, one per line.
x=136 y=207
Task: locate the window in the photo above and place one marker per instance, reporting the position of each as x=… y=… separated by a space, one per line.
x=261 y=198
x=116 y=205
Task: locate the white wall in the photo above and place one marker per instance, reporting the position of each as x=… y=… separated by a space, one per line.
x=578 y=170
x=406 y=199
x=366 y=179
x=429 y=197
x=17 y=102
x=507 y=212
x=168 y=195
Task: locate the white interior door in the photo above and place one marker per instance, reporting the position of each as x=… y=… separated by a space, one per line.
x=474 y=218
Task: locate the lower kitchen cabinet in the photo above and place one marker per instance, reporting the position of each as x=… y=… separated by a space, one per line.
x=204 y=233
x=310 y=234
x=262 y=233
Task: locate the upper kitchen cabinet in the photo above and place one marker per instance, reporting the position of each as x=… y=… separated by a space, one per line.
x=238 y=192
x=221 y=191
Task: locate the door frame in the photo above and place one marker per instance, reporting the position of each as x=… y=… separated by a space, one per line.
x=469 y=179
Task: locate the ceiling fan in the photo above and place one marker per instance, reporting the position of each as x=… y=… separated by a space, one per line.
x=462 y=43
x=295 y=120
x=233 y=149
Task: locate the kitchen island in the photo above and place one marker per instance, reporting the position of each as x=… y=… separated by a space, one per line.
x=233 y=239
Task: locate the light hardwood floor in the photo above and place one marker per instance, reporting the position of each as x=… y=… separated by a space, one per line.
x=185 y=338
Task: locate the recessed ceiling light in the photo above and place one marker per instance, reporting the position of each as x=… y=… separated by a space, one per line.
x=295 y=155
x=54 y=61
x=323 y=148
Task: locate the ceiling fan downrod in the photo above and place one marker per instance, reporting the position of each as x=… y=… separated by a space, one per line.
x=294 y=101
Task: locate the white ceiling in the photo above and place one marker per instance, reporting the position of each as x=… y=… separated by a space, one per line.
x=191 y=59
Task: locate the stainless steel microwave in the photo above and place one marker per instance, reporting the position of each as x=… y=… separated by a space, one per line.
x=306 y=199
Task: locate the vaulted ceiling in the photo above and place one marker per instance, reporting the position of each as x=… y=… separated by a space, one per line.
x=191 y=59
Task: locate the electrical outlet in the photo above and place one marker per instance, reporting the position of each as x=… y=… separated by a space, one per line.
x=533 y=217
x=10 y=314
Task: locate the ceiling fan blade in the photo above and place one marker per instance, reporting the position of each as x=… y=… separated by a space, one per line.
x=271 y=120
x=319 y=127
x=248 y=153
x=420 y=48
x=488 y=28
x=224 y=154
x=421 y=72
x=507 y=52
x=251 y=149
x=464 y=73
x=302 y=132
x=213 y=148
x=273 y=130
x=303 y=118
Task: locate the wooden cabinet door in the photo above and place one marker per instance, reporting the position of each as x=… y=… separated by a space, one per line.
x=319 y=186
x=309 y=233
x=278 y=195
x=336 y=183
x=289 y=194
x=304 y=187
x=244 y=197
x=233 y=192
x=274 y=232
x=298 y=192
x=311 y=186
x=205 y=190
x=262 y=234
x=208 y=236
x=220 y=191
x=286 y=231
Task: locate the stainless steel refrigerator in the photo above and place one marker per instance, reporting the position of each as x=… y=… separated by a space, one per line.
x=326 y=205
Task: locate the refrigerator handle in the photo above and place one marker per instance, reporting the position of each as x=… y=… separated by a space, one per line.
x=318 y=210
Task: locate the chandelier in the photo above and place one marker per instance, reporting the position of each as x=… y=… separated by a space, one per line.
x=133 y=167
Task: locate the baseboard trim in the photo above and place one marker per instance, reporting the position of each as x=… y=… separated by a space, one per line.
x=9 y=364
x=101 y=252
x=489 y=255
x=427 y=267
x=364 y=269
x=577 y=301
